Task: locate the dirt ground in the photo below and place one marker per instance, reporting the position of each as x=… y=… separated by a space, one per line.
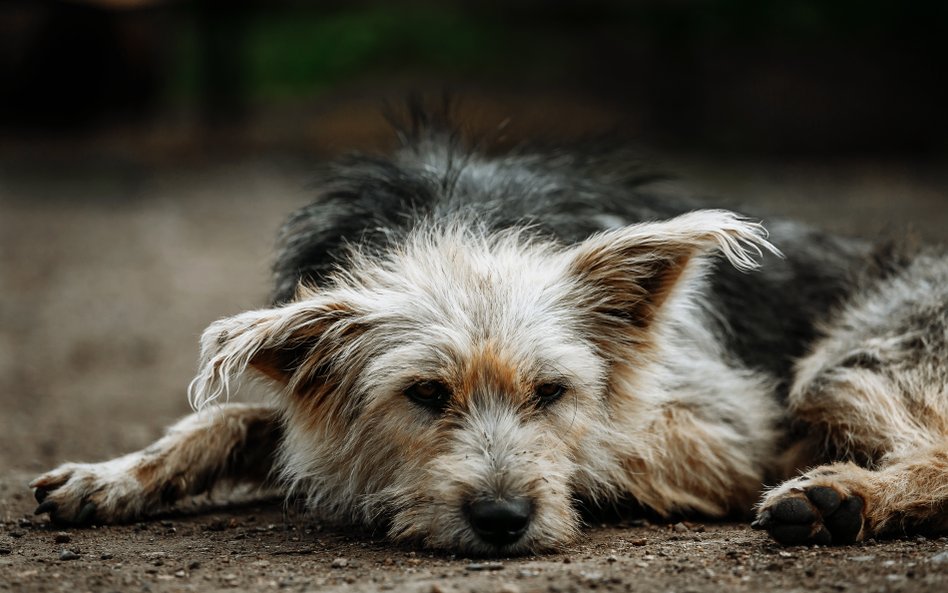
x=109 y=270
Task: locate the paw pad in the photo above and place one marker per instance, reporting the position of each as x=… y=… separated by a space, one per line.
x=815 y=515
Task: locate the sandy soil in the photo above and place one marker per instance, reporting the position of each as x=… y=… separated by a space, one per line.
x=110 y=270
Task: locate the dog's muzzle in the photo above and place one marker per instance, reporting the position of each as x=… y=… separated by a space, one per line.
x=500 y=522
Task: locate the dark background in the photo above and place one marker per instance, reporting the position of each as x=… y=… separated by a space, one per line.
x=796 y=77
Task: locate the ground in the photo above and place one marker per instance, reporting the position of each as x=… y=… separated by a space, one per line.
x=109 y=271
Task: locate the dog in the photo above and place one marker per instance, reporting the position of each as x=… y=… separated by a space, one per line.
x=464 y=348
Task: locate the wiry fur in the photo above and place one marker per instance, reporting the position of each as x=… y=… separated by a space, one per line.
x=686 y=372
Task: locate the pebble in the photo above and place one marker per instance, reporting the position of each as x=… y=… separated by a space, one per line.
x=105 y=556
x=477 y=566
x=639 y=541
x=340 y=563
x=5 y=551
x=680 y=527
x=508 y=588
x=62 y=538
x=68 y=555
x=940 y=557
x=611 y=559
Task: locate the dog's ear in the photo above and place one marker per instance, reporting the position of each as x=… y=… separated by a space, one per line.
x=631 y=272
x=293 y=345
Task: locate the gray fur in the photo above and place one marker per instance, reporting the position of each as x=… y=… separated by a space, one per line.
x=767 y=319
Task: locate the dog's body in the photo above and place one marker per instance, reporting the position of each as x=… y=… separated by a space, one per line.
x=465 y=346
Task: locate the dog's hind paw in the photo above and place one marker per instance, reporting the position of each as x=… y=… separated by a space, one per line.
x=813 y=509
x=90 y=493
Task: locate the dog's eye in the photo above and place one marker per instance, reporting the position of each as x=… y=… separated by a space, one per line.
x=547 y=393
x=430 y=394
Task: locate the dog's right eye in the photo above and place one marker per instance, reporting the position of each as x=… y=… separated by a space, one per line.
x=433 y=395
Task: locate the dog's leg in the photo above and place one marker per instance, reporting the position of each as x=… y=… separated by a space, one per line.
x=844 y=503
x=233 y=443
x=876 y=391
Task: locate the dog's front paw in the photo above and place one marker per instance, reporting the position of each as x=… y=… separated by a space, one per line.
x=814 y=509
x=87 y=493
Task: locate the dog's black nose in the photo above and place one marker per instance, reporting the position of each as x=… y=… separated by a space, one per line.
x=500 y=522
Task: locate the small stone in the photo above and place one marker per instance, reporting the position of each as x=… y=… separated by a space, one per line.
x=194 y=565
x=340 y=563
x=591 y=577
x=105 y=556
x=481 y=566
x=680 y=527
x=868 y=558
x=639 y=541
x=940 y=557
x=68 y=555
x=180 y=574
x=5 y=551
x=508 y=588
x=436 y=588
x=62 y=538
x=611 y=559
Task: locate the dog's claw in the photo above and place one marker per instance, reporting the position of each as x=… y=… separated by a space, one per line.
x=41 y=494
x=86 y=514
x=763 y=521
x=46 y=507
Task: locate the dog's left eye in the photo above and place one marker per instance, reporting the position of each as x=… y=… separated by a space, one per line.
x=430 y=394
x=548 y=393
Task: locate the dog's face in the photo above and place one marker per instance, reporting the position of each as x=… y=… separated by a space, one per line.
x=449 y=387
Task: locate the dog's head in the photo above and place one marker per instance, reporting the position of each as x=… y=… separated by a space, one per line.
x=451 y=387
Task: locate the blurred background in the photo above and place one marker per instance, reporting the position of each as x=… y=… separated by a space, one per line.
x=149 y=150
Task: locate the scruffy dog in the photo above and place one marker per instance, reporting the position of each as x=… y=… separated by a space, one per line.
x=463 y=347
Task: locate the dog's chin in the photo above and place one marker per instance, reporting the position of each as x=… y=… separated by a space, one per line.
x=469 y=544
x=455 y=536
